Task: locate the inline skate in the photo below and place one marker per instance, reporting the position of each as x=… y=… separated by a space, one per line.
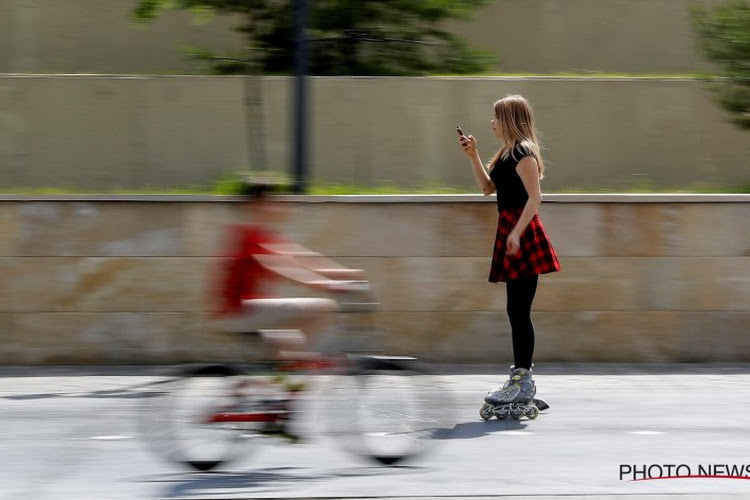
x=515 y=399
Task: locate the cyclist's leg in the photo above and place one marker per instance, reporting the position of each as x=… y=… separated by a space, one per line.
x=311 y=316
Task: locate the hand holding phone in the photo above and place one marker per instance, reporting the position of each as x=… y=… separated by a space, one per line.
x=468 y=144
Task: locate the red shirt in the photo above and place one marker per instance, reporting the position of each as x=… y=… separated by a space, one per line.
x=242 y=276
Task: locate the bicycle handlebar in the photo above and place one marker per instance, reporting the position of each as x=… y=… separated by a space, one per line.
x=354 y=295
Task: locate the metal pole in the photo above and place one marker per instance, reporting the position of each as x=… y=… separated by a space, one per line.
x=300 y=108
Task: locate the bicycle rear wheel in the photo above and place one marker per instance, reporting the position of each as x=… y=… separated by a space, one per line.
x=176 y=421
x=387 y=409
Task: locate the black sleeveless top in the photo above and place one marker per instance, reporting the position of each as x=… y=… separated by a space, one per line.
x=511 y=192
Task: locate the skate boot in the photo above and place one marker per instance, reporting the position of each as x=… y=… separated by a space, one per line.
x=519 y=387
x=514 y=399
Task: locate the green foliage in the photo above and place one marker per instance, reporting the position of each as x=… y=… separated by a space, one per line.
x=652 y=188
x=347 y=37
x=724 y=36
x=231 y=185
x=384 y=189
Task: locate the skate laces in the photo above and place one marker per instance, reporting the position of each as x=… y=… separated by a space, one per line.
x=511 y=386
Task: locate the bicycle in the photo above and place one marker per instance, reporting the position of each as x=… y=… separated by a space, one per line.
x=385 y=408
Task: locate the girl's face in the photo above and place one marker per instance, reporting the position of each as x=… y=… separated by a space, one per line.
x=495 y=123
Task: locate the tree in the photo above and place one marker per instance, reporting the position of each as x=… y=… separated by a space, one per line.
x=724 y=36
x=348 y=37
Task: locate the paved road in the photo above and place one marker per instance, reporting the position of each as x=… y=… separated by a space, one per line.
x=70 y=434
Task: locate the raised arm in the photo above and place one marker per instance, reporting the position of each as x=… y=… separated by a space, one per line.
x=469 y=146
x=288 y=267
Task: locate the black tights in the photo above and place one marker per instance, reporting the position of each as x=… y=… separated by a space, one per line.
x=520 y=297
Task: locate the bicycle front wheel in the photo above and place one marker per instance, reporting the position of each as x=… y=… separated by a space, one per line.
x=176 y=419
x=386 y=409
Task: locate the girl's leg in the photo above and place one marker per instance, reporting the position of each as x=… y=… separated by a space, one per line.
x=520 y=297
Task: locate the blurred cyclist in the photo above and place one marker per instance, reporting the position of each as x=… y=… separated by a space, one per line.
x=255 y=259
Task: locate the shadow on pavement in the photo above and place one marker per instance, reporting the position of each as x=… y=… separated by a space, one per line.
x=129 y=392
x=469 y=430
x=269 y=480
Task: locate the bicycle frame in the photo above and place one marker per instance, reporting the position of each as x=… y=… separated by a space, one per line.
x=269 y=414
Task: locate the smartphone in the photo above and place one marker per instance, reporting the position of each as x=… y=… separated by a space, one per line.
x=458 y=129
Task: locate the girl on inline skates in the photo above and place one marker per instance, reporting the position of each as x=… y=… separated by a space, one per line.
x=522 y=249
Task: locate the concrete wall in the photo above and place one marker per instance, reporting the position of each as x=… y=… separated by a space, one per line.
x=614 y=36
x=119 y=132
x=529 y=36
x=98 y=132
x=94 y=36
x=645 y=278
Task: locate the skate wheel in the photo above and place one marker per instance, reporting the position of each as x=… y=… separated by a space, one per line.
x=533 y=413
x=502 y=416
x=486 y=412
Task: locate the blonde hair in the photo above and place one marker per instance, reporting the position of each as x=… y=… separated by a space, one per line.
x=515 y=121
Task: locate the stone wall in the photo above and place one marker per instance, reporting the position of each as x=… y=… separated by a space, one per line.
x=99 y=280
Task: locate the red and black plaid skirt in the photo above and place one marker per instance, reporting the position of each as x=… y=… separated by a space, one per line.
x=537 y=256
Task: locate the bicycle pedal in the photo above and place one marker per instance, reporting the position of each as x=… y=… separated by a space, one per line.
x=280 y=431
